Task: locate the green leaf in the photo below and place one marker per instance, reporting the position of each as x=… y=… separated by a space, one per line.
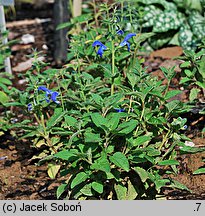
x=3 y=97
x=193 y=94
x=98 y=187
x=131 y=191
x=98 y=120
x=188 y=149
x=184 y=80
x=101 y=164
x=143 y=37
x=199 y=171
x=140 y=140
x=64 y=25
x=97 y=98
x=172 y=105
x=185 y=64
x=142 y=173
x=188 y=72
x=87 y=190
x=70 y=121
x=120 y=161
x=168 y=162
x=159 y=183
x=61 y=189
x=121 y=191
x=179 y=185
x=113 y=121
x=92 y=138
x=172 y=93
x=53 y=170
x=126 y=127
x=123 y=56
x=79 y=178
x=153 y=152
x=5 y=81
x=200 y=84
x=55 y=118
x=68 y=155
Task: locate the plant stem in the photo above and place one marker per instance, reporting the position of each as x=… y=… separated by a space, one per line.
x=113 y=68
x=142 y=114
x=165 y=140
x=95 y=13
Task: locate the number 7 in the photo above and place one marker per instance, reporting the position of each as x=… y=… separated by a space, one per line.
x=199 y=204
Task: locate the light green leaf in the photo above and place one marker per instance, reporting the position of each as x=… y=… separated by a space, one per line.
x=97 y=186
x=101 y=164
x=98 y=120
x=61 y=189
x=176 y=184
x=142 y=173
x=92 y=138
x=193 y=94
x=126 y=127
x=79 y=178
x=53 y=170
x=172 y=93
x=168 y=162
x=113 y=121
x=172 y=105
x=55 y=118
x=120 y=161
x=140 y=140
x=3 y=97
x=70 y=121
x=199 y=171
x=87 y=190
x=200 y=84
x=131 y=191
x=67 y=155
x=121 y=191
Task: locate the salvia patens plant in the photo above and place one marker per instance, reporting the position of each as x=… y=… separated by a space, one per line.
x=102 y=122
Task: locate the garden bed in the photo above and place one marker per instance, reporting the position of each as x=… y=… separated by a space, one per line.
x=20 y=178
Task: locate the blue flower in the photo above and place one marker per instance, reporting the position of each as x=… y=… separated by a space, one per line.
x=184 y=127
x=101 y=49
x=29 y=106
x=50 y=95
x=54 y=95
x=119 y=110
x=125 y=41
x=120 y=32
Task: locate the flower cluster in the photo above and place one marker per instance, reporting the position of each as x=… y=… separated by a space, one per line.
x=102 y=47
x=50 y=95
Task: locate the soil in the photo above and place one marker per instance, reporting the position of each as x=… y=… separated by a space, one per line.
x=22 y=179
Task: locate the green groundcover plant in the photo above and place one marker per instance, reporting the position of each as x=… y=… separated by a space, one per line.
x=109 y=128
